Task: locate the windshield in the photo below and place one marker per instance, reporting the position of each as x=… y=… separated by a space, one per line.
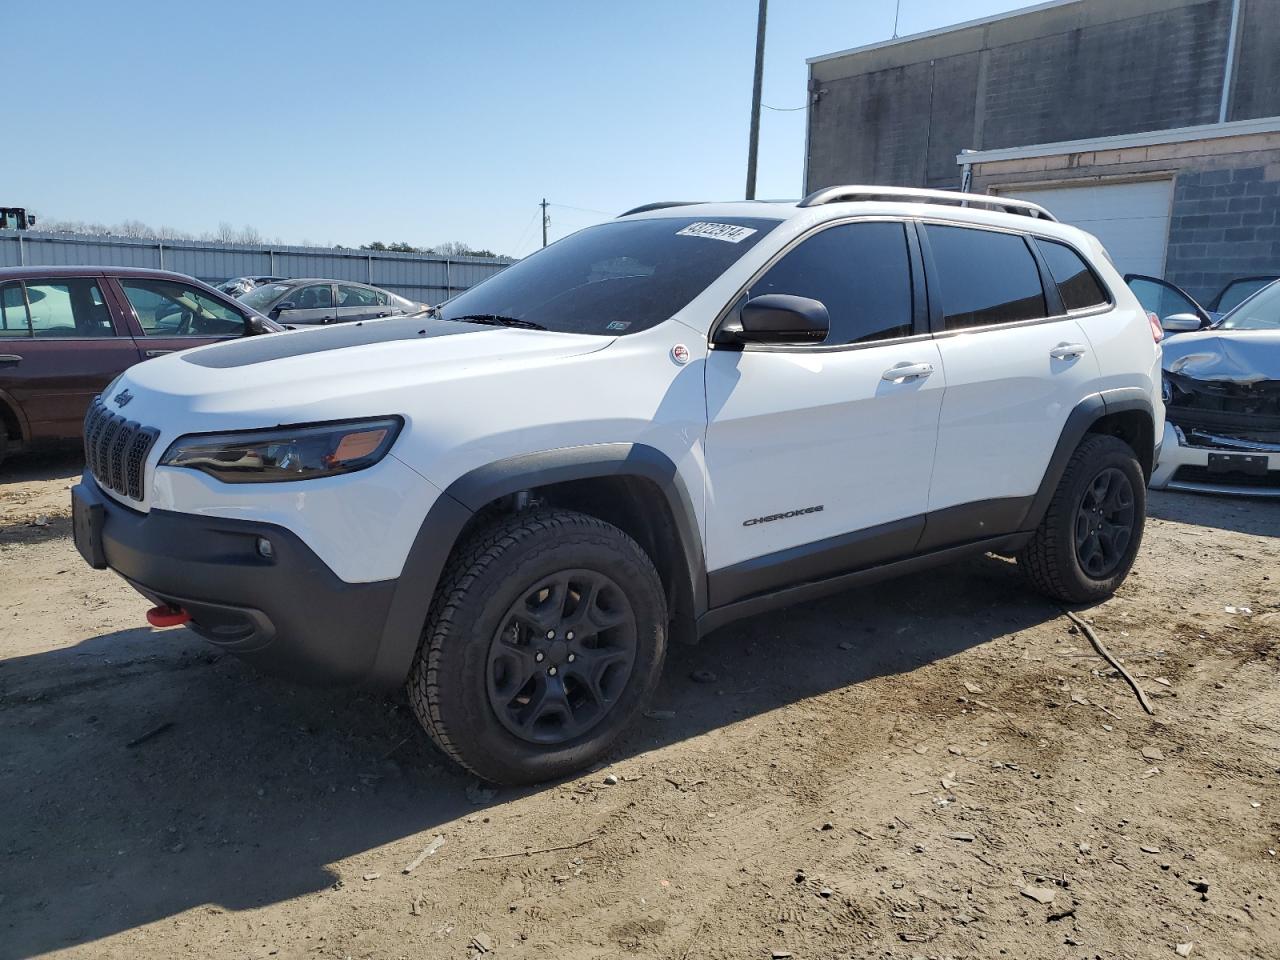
x=613 y=279
x=1261 y=312
x=260 y=297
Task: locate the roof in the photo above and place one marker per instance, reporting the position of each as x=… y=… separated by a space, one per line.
x=37 y=270
x=297 y=281
x=966 y=25
x=838 y=201
x=906 y=205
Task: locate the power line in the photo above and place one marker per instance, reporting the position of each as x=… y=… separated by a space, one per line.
x=783 y=109
x=603 y=213
x=519 y=245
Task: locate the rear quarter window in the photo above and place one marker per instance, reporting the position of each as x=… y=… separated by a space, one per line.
x=1077 y=284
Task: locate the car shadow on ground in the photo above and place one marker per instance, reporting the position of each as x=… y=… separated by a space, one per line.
x=47 y=461
x=1256 y=516
x=144 y=774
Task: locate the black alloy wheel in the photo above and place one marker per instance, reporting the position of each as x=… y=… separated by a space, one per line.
x=1104 y=523
x=562 y=656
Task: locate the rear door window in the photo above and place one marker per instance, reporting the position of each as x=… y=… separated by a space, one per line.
x=1079 y=288
x=861 y=272
x=352 y=296
x=67 y=309
x=984 y=277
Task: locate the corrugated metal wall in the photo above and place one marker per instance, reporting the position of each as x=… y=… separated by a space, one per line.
x=429 y=279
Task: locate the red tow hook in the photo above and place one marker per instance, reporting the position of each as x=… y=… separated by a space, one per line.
x=167 y=616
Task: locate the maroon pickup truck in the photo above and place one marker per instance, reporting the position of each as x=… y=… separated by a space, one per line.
x=67 y=332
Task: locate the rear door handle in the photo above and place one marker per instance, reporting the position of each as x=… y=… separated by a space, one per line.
x=158 y=353
x=1068 y=351
x=10 y=358
x=907 y=371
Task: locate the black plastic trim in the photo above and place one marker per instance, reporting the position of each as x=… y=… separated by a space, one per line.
x=1052 y=296
x=883 y=543
x=450 y=513
x=799 y=593
x=814 y=561
x=290 y=615
x=967 y=522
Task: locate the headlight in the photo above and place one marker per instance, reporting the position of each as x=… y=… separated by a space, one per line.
x=286 y=453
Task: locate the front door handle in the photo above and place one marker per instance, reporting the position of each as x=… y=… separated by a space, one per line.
x=158 y=353
x=10 y=358
x=907 y=371
x=1068 y=351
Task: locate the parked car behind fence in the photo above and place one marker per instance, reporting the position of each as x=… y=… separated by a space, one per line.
x=310 y=301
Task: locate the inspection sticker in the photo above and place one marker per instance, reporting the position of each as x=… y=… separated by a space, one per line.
x=716 y=231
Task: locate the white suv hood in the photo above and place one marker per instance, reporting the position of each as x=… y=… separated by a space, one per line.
x=335 y=372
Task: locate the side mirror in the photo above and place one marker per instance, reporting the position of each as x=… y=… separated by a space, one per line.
x=778 y=318
x=287 y=305
x=1180 y=323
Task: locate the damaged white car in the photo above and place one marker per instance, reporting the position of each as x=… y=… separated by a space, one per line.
x=1222 y=401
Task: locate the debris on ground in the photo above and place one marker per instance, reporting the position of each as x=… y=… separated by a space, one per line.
x=435 y=844
x=150 y=734
x=1039 y=894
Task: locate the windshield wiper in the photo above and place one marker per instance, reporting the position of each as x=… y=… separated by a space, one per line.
x=497 y=320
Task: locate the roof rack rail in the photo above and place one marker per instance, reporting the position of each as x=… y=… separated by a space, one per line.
x=915 y=195
x=660 y=205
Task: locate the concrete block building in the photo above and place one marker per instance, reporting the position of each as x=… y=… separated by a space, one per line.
x=1154 y=124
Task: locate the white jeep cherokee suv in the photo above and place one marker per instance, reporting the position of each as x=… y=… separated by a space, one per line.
x=659 y=424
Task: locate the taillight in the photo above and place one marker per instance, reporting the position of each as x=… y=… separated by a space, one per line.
x=1157 y=331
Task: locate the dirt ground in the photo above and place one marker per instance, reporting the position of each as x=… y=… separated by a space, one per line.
x=903 y=771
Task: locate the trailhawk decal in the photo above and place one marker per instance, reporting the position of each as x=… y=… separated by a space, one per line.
x=728 y=232
x=782 y=516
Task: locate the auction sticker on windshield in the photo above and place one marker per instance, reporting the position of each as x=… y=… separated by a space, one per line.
x=717 y=231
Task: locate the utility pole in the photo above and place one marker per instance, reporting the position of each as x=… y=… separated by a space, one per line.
x=754 y=144
x=545 y=220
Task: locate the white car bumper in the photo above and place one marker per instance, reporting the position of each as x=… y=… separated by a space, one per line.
x=1184 y=466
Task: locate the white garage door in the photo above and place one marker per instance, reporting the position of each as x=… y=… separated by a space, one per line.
x=1131 y=219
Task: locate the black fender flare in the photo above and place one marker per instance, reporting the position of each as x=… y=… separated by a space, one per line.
x=459 y=502
x=1079 y=422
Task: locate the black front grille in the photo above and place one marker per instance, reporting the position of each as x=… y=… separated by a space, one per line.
x=116 y=449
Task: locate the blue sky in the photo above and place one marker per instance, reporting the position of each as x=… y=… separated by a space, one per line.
x=411 y=120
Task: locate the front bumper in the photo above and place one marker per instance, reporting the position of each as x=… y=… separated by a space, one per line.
x=289 y=614
x=1185 y=466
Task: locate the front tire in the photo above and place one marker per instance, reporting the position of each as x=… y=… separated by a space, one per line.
x=1089 y=536
x=545 y=639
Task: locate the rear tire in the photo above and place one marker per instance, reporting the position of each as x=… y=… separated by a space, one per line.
x=4 y=443
x=1089 y=536
x=545 y=639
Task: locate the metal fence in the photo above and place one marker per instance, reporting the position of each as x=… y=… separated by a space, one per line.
x=418 y=276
